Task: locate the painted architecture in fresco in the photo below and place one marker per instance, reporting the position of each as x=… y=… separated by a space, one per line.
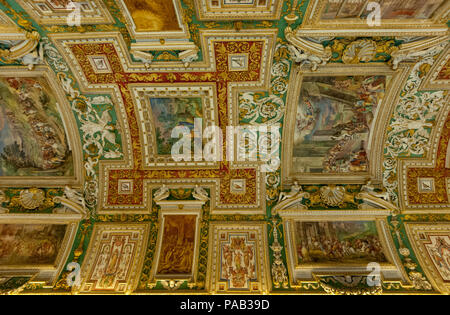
x=30 y=244
x=32 y=135
x=338 y=242
x=333 y=121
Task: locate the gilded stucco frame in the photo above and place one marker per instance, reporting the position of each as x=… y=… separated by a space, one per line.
x=61 y=18
x=431 y=82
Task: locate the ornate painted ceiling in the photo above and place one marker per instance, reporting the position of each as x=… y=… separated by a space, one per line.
x=316 y=157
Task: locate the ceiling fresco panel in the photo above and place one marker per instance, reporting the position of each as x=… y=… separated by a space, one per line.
x=37 y=139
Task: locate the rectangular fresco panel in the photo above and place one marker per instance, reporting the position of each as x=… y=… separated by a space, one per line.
x=338 y=242
x=113 y=257
x=169 y=113
x=32 y=135
x=153 y=15
x=178 y=245
x=30 y=244
x=333 y=120
x=238 y=259
x=390 y=9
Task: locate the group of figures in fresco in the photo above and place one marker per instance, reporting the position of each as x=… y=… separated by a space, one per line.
x=333 y=121
x=30 y=244
x=341 y=242
x=32 y=135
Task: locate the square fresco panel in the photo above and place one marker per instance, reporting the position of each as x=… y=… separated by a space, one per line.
x=30 y=244
x=338 y=242
x=333 y=122
x=32 y=136
x=169 y=113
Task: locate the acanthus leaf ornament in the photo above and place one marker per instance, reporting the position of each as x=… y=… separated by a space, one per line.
x=363 y=50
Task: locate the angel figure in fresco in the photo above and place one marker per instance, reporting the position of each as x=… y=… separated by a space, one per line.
x=200 y=193
x=162 y=193
x=295 y=189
